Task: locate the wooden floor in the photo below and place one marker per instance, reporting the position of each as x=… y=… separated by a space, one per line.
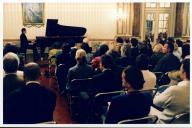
x=61 y=112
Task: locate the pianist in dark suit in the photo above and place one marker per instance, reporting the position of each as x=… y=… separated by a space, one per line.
x=32 y=103
x=25 y=44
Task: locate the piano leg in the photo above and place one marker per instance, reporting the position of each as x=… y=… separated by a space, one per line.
x=42 y=52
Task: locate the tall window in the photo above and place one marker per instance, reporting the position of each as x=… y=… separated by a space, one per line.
x=163 y=22
x=159 y=18
x=165 y=5
x=151 y=5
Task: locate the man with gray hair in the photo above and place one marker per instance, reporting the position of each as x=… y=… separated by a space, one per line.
x=31 y=104
x=11 y=79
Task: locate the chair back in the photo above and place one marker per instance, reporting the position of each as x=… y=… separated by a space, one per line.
x=103 y=98
x=151 y=119
x=79 y=85
x=183 y=118
x=152 y=91
x=48 y=122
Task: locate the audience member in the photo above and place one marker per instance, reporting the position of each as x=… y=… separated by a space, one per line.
x=88 y=50
x=114 y=54
x=103 y=48
x=125 y=58
x=169 y=62
x=25 y=44
x=10 y=48
x=142 y=62
x=185 y=51
x=95 y=65
x=133 y=104
x=81 y=70
x=177 y=51
x=65 y=57
x=134 y=49
x=157 y=55
x=175 y=99
x=32 y=103
x=107 y=80
x=13 y=79
x=53 y=52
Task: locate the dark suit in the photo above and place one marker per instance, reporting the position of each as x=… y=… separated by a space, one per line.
x=154 y=59
x=129 y=106
x=168 y=63
x=11 y=82
x=31 y=104
x=106 y=81
x=24 y=45
x=65 y=58
x=79 y=71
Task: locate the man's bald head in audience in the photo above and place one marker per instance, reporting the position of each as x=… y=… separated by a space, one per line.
x=31 y=72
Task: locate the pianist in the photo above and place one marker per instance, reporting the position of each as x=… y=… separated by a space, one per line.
x=25 y=44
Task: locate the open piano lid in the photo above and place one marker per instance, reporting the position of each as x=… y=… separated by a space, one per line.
x=55 y=29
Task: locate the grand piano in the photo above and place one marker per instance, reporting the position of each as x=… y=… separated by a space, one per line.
x=59 y=33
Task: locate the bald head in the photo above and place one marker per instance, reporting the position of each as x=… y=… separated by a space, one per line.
x=10 y=62
x=31 y=72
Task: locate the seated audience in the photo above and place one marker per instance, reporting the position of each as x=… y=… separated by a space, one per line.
x=13 y=79
x=10 y=48
x=175 y=99
x=175 y=75
x=134 y=49
x=65 y=57
x=133 y=104
x=185 y=51
x=114 y=54
x=32 y=103
x=169 y=62
x=157 y=55
x=53 y=52
x=177 y=50
x=95 y=65
x=142 y=63
x=108 y=80
x=103 y=48
x=125 y=58
x=88 y=50
x=81 y=70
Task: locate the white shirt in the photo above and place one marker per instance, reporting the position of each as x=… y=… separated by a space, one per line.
x=29 y=82
x=174 y=100
x=150 y=79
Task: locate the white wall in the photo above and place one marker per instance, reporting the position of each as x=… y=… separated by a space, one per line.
x=98 y=18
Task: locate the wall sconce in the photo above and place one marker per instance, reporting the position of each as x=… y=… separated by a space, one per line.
x=124 y=18
x=121 y=14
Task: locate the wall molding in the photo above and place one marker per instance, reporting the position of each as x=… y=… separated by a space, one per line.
x=93 y=39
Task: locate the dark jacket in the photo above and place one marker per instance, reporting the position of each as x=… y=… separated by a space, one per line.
x=79 y=71
x=31 y=104
x=23 y=41
x=106 y=81
x=11 y=82
x=65 y=58
x=154 y=59
x=168 y=63
x=129 y=106
x=124 y=61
